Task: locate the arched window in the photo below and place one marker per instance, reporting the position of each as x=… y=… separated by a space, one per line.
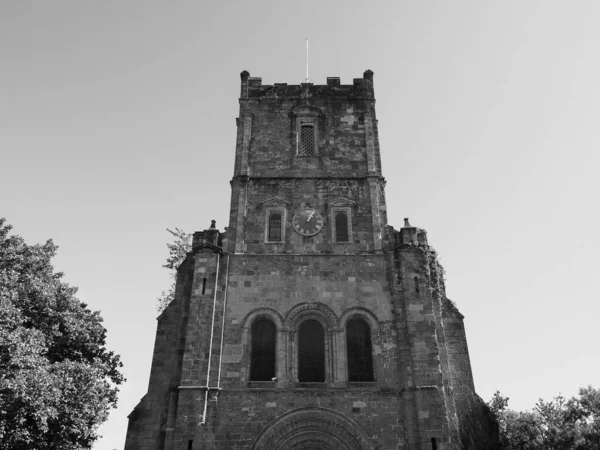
x=341 y=226
x=311 y=352
x=262 y=364
x=358 y=344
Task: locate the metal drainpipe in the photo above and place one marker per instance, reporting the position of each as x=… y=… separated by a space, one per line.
x=223 y=326
x=212 y=332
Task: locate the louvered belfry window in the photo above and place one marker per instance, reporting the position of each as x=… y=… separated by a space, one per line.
x=358 y=345
x=311 y=352
x=262 y=364
x=275 y=226
x=341 y=226
x=306 y=145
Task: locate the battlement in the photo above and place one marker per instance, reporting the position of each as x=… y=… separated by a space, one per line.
x=252 y=87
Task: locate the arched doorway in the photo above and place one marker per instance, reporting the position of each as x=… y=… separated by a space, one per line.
x=312 y=429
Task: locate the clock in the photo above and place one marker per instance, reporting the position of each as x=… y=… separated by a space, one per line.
x=307 y=222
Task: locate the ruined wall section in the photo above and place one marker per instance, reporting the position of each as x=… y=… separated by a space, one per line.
x=429 y=407
x=477 y=427
x=438 y=351
x=458 y=354
x=151 y=419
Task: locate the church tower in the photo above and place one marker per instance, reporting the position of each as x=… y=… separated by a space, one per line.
x=309 y=322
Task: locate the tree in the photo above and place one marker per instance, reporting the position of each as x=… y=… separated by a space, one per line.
x=518 y=430
x=58 y=381
x=559 y=424
x=178 y=250
x=588 y=407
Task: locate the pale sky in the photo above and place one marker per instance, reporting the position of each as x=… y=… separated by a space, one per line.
x=117 y=120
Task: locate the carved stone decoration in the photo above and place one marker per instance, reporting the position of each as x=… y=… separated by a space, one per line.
x=260 y=312
x=341 y=201
x=323 y=313
x=307 y=110
x=359 y=311
x=274 y=201
x=328 y=320
x=313 y=428
x=347 y=188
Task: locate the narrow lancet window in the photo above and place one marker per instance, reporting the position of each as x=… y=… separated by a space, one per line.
x=341 y=226
x=358 y=345
x=262 y=364
x=274 y=234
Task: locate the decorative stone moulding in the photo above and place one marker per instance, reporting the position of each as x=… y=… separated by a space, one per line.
x=313 y=428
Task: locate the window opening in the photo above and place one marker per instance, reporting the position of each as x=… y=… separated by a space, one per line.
x=416 y=280
x=275 y=226
x=358 y=345
x=307 y=140
x=262 y=364
x=433 y=444
x=311 y=352
x=190 y=444
x=341 y=227
x=203 y=285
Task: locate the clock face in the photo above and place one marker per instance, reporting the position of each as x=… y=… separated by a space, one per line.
x=307 y=222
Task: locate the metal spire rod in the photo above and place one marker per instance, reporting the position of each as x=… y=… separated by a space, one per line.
x=307 y=79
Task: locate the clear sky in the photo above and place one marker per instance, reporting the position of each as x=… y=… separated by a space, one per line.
x=117 y=120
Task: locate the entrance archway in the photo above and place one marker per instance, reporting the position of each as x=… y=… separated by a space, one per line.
x=313 y=428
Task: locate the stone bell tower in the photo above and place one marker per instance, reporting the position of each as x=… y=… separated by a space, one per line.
x=310 y=323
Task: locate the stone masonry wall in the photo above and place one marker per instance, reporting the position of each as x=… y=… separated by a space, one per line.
x=200 y=394
x=155 y=414
x=409 y=398
x=430 y=409
x=237 y=417
x=344 y=171
x=295 y=194
x=275 y=285
x=267 y=134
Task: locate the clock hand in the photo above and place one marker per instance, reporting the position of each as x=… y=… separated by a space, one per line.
x=311 y=215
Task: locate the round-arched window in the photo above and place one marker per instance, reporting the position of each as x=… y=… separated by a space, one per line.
x=311 y=352
x=262 y=363
x=358 y=345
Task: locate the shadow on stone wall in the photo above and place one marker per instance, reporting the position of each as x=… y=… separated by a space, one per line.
x=479 y=428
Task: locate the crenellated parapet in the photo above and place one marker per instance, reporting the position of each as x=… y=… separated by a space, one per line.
x=252 y=88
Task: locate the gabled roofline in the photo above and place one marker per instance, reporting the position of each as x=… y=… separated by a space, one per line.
x=276 y=200
x=342 y=201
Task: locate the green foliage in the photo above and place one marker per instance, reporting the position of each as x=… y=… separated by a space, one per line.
x=178 y=249
x=559 y=424
x=57 y=380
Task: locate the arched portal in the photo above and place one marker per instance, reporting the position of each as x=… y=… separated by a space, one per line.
x=313 y=429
